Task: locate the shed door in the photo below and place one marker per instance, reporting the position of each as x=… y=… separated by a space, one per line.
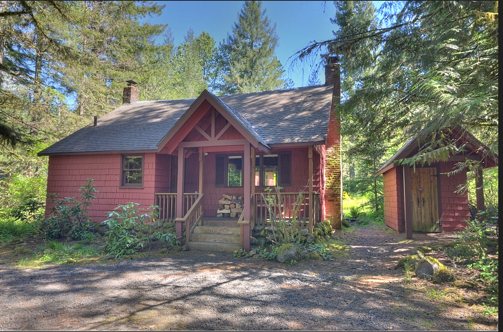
x=424 y=200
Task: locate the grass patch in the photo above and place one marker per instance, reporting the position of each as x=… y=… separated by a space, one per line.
x=60 y=253
x=433 y=294
x=349 y=229
x=338 y=248
x=14 y=229
x=352 y=203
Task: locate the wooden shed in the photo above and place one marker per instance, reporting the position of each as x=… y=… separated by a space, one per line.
x=422 y=198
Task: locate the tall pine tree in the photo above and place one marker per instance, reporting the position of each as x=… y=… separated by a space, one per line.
x=247 y=56
x=353 y=18
x=436 y=66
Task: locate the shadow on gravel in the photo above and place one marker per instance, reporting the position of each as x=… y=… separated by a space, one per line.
x=206 y=291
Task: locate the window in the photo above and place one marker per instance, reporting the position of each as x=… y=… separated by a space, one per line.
x=266 y=170
x=270 y=170
x=229 y=171
x=132 y=171
x=235 y=171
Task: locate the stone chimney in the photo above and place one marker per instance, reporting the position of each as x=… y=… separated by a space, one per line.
x=333 y=162
x=130 y=93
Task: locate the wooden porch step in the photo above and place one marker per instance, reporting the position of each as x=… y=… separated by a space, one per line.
x=217 y=230
x=213 y=246
x=221 y=222
x=218 y=238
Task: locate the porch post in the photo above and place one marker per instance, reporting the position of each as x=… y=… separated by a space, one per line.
x=479 y=190
x=201 y=161
x=247 y=197
x=179 y=192
x=407 y=200
x=311 y=219
x=252 y=175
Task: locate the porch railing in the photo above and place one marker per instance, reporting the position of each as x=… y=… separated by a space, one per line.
x=286 y=207
x=167 y=204
x=193 y=217
x=260 y=215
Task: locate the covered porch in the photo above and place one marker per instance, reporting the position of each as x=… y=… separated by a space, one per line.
x=214 y=151
x=196 y=197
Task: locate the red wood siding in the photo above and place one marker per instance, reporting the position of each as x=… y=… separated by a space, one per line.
x=68 y=173
x=322 y=159
x=393 y=214
x=230 y=133
x=454 y=207
x=162 y=173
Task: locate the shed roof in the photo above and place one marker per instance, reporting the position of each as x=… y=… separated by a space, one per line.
x=273 y=117
x=474 y=146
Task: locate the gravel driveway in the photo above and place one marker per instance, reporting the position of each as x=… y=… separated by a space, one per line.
x=216 y=291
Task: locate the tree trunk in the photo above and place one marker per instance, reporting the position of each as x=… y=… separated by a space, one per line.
x=375 y=187
x=38 y=65
x=3 y=5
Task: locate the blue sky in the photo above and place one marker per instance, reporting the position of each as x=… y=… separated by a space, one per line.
x=297 y=23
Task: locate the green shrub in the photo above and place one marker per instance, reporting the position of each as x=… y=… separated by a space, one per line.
x=354 y=211
x=282 y=230
x=21 y=221
x=268 y=255
x=19 y=189
x=169 y=238
x=320 y=249
x=240 y=252
x=10 y=228
x=471 y=248
x=69 y=216
x=128 y=229
x=30 y=211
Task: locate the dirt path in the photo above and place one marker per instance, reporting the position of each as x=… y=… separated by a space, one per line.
x=194 y=290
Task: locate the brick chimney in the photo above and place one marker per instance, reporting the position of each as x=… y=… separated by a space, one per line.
x=130 y=93
x=333 y=162
x=332 y=74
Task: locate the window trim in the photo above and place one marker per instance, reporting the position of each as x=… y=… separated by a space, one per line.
x=123 y=184
x=279 y=177
x=226 y=169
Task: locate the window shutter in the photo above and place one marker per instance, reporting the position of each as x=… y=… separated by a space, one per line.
x=221 y=170
x=285 y=169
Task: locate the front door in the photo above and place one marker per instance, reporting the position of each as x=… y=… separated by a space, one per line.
x=423 y=184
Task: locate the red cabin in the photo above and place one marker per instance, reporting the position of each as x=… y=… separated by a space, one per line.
x=185 y=155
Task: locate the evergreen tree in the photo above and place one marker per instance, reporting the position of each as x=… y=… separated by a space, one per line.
x=193 y=61
x=159 y=80
x=113 y=47
x=207 y=53
x=247 y=56
x=352 y=18
x=435 y=65
x=313 y=78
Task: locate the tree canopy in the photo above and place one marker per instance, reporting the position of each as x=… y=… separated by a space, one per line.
x=247 y=59
x=422 y=67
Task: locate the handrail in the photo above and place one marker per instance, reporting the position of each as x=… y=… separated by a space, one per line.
x=167 y=204
x=241 y=217
x=192 y=217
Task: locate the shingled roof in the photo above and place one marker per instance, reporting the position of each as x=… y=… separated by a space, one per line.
x=272 y=117
x=474 y=147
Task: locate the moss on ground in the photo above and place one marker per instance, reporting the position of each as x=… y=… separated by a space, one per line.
x=443 y=274
x=409 y=259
